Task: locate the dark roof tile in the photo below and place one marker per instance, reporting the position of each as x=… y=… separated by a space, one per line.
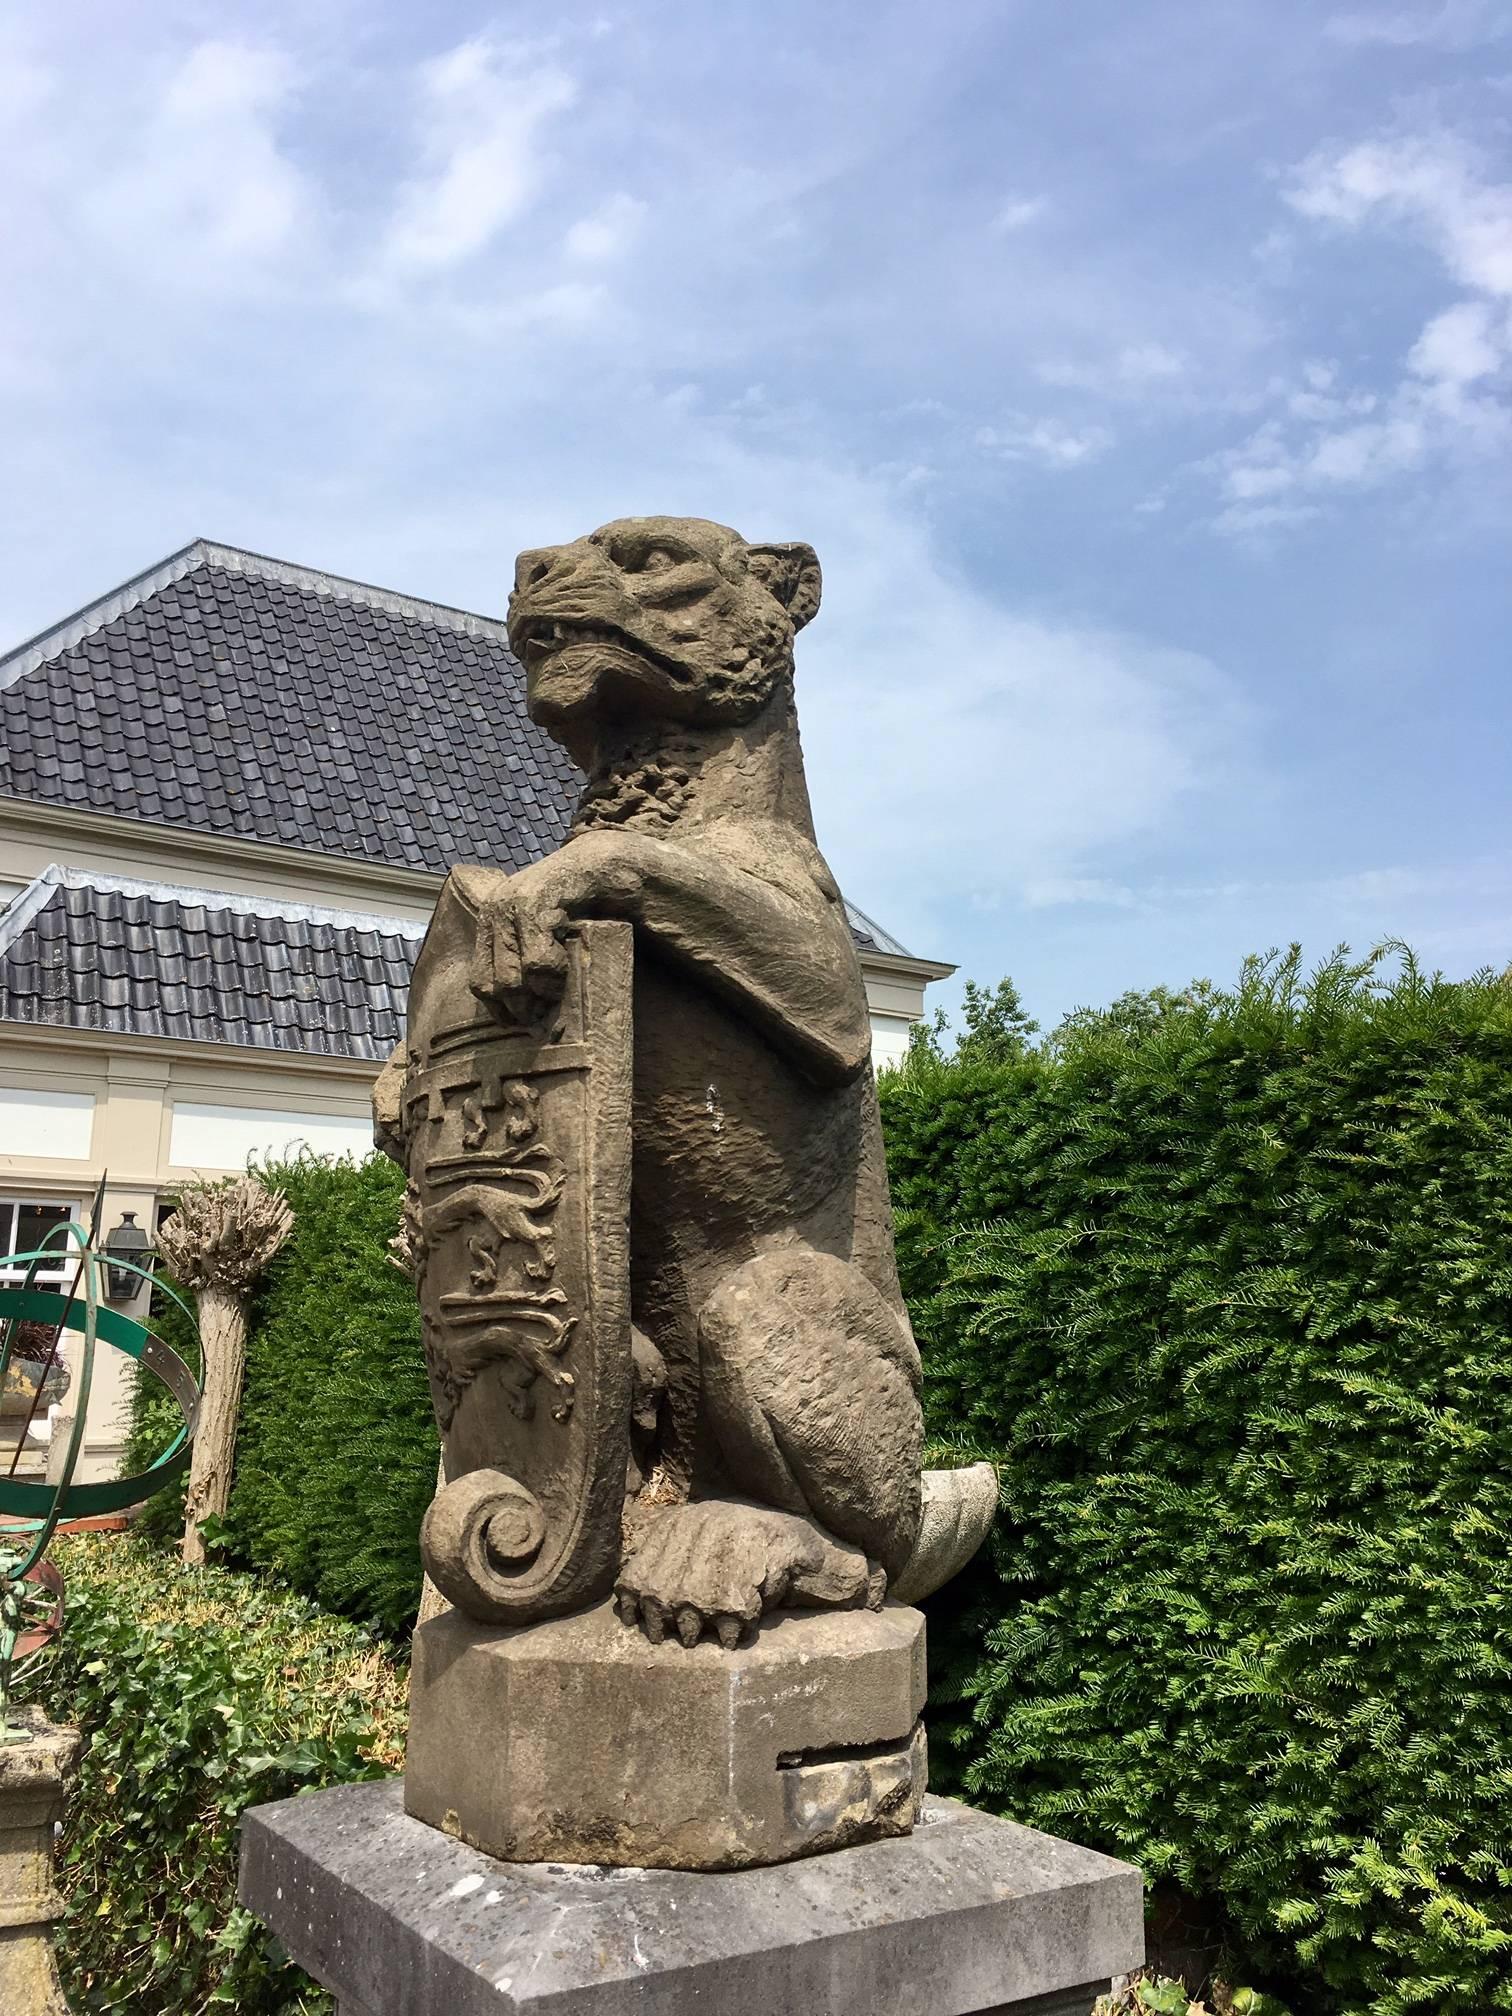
x=98 y=957
x=343 y=703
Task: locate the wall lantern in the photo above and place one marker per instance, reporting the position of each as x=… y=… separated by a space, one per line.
x=126 y=1241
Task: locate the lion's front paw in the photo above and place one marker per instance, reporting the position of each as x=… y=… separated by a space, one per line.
x=524 y=920
x=720 y=1564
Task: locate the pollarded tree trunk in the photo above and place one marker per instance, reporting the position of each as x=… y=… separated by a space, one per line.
x=223 y=1337
x=217 y=1242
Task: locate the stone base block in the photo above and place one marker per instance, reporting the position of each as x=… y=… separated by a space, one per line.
x=577 y=1740
x=964 y=1916
x=33 y=1776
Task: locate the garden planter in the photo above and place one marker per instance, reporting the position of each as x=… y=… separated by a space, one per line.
x=21 y=1381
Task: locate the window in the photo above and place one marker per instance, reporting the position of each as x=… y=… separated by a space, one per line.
x=27 y=1225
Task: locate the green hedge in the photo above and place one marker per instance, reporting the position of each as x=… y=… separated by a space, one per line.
x=199 y=1692
x=336 y=1454
x=1224 y=1284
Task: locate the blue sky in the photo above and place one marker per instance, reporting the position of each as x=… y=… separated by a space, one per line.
x=1141 y=373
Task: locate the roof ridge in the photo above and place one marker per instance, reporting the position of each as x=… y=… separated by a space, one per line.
x=38 y=894
x=345 y=588
x=36 y=650
x=72 y=630
x=885 y=941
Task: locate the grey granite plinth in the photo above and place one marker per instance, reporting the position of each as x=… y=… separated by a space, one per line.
x=964 y=1916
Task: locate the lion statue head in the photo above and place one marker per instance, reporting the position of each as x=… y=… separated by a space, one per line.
x=676 y=619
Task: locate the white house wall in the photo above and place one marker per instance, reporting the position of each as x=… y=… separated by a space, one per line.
x=45 y=1123
x=33 y=836
x=148 y=1114
x=228 y=1137
x=890 y=1039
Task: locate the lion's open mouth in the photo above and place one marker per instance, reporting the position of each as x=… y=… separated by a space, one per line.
x=541 y=638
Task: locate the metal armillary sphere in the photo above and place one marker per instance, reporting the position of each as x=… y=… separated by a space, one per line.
x=31 y=1591
x=36 y=1755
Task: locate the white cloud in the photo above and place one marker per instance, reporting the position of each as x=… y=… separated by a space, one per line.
x=1046 y=442
x=1261 y=467
x=1146 y=361
x=1266 y=481
x=1259 y=521
x=1133 y=368
x=1018 y=212
x=482 y=109
x=1321 y=398
x=203 y=176
x=1376 y=901
x=1452 y=24
x=1020 y=754
x=1048 y=892
x=567 y=306
x=1433 y=185
x=607 y=232
x=1049 y=749
x=1304 y=404
x=1367 y=453
x=25 y=84
x=959 y=748
x=1448 y=403
x=1462 y=344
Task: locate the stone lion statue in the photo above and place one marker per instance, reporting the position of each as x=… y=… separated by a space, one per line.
x=776 y=1430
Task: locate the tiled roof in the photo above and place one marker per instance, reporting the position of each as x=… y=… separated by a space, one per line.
x=229 y=693
x=86 y=951
x=81 y=950
x=235 y=695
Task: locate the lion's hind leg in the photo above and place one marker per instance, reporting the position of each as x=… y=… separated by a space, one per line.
x=810 y=1378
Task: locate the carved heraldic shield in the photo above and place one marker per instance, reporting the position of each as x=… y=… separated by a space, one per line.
x=517 y=1144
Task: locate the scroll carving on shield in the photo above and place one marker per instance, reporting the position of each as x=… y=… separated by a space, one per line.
x=517 y=1212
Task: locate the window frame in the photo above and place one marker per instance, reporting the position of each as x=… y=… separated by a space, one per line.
x=55 y=1279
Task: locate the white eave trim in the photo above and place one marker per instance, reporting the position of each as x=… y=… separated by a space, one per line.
x=36 y=895
x=189 y=1049
x=899 y=967
x=113 y=830
x=95 y=615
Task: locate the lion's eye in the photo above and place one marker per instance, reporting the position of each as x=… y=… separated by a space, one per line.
x=632 y=559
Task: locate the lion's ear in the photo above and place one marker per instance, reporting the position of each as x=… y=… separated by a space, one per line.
x=791 y=573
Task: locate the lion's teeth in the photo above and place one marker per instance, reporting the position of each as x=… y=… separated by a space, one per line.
x=577 y=633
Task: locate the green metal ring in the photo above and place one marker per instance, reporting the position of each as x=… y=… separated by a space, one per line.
x=35 y=1502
